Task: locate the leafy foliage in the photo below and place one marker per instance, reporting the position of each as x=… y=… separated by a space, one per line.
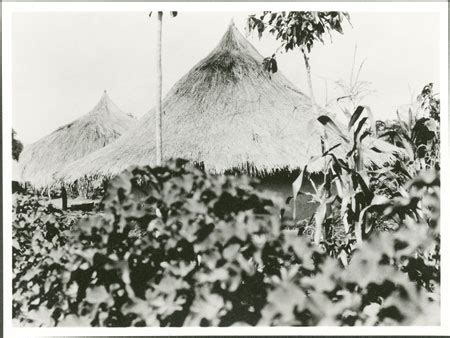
x=298 y=29
x=429 y=102
x=346 y=194
x=176 y=246
x=270 y=64
x=355 y=200
x=17 y=146
x=420 y=134
x=39 y=235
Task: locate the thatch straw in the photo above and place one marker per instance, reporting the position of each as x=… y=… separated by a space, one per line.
x=102 y=125
x=227 y=112
x=15 y=171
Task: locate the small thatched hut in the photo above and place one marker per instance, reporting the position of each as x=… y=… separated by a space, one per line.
x=227 y=113
x=103 y=124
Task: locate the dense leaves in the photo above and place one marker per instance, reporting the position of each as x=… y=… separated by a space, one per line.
x=270 y=64
x=39 y=235
x=419 y=134
x=298 y=29
x=348 y=193
x=176 y=246
x=354 y=197
x=17 y=146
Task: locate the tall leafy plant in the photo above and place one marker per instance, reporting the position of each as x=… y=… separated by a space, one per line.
x=354 y=90
x=299 y=30
x=419 y=133
x=346 y=189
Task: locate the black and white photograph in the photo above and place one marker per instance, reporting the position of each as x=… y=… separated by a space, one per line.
x=224 y=166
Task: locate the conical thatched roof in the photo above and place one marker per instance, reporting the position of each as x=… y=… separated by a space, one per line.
x=102 y=125
x=227 y=112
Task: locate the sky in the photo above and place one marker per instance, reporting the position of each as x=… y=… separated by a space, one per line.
x=62 y=62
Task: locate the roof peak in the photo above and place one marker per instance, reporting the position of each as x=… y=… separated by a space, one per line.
x=105 y=98
x=105 y=102
x=232 y=37
x=234 y=40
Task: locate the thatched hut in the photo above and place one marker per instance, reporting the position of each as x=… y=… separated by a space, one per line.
x=103 y=124
x=226 y=113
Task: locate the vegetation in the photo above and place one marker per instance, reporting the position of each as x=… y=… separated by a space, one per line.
x=175 y=245
x=420 y=134
x=298 y=30
x=352 y=91
x=17 y=146
x=356 y=191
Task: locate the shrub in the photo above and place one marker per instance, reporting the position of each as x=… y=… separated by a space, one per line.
x=420 y=134
x=39 y=235
x=176 y=246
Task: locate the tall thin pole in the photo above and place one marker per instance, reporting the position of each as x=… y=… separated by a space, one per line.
x=158 y=91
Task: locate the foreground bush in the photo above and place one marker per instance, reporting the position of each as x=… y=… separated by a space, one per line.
x=39 y=235
x=176 y=246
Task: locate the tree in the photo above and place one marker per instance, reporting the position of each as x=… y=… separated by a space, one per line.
x=158 y=113
x=299 y=30
x=17 y=146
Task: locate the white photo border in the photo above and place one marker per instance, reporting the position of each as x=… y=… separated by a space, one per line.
x=9 y=8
